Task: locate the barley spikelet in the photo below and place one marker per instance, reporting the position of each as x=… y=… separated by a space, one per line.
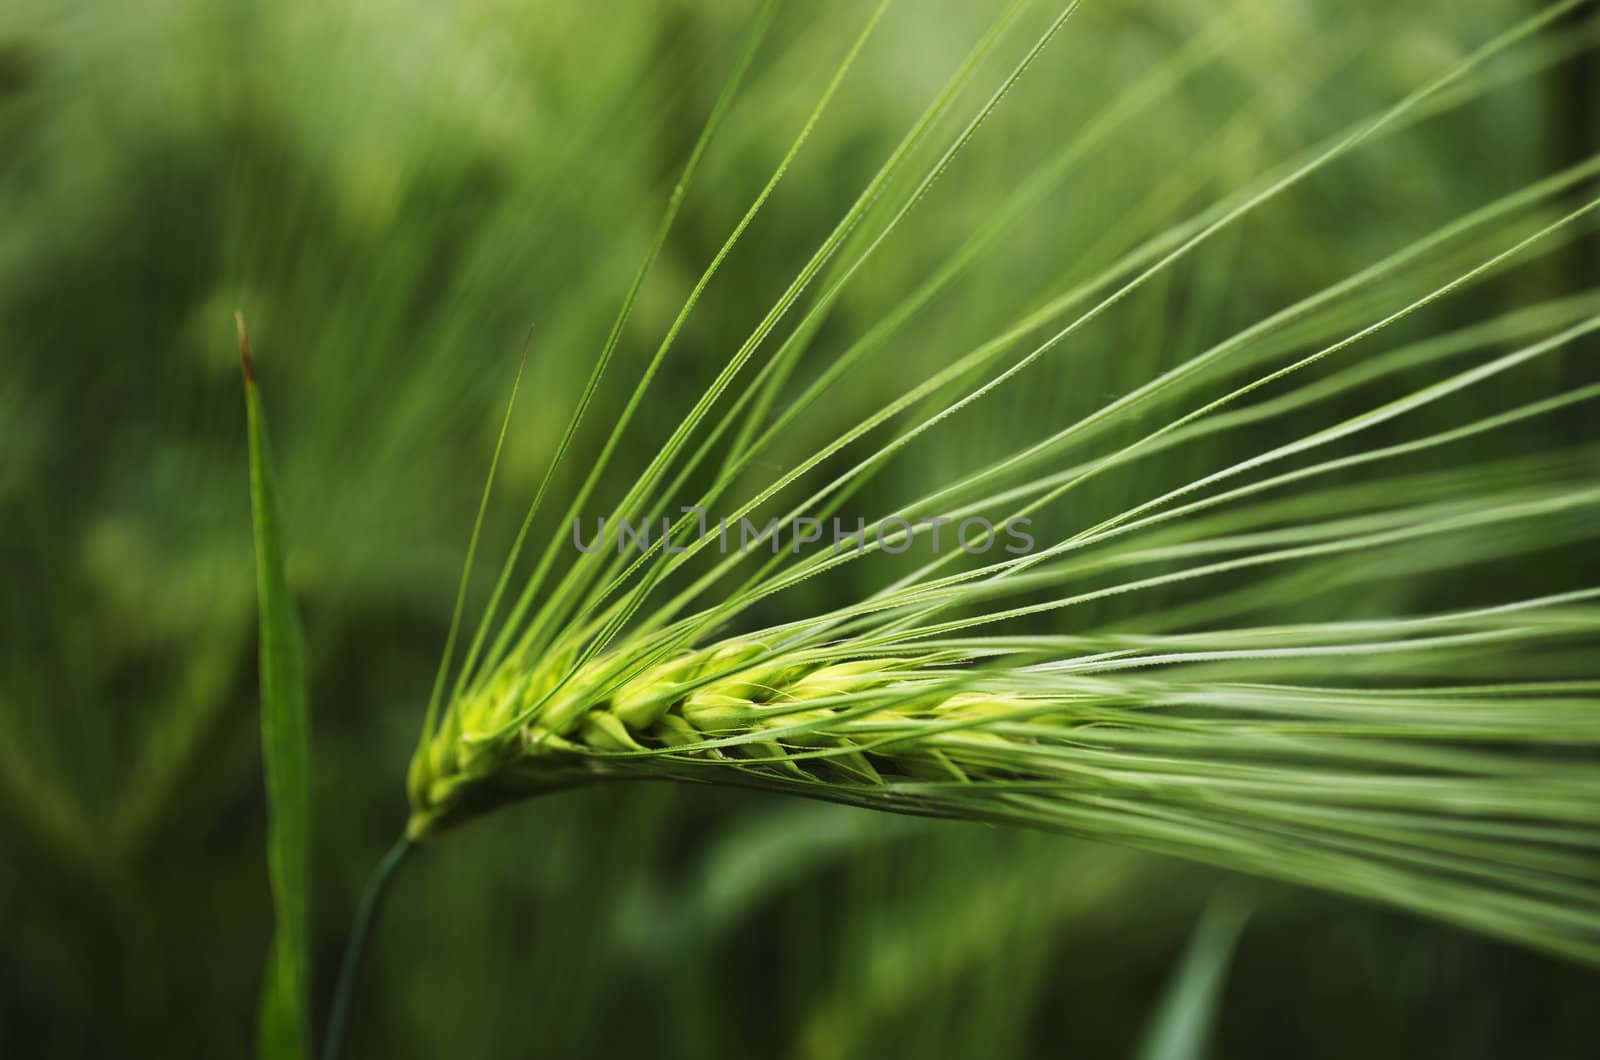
x=778 y=719
x=1395 y=793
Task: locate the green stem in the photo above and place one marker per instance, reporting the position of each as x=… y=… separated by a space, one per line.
x=356 y=948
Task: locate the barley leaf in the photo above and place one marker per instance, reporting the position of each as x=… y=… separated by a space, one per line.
x=285 y=749
x=1181 y=1027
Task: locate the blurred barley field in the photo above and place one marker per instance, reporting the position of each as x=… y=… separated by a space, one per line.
x=393 y=193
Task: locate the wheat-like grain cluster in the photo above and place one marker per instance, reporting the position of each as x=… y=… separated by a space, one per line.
x=776 y=717
x=1204 y=745
x=1250 y=633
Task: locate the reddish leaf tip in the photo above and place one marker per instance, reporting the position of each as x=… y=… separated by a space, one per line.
x=246 y=363
x=527 y=344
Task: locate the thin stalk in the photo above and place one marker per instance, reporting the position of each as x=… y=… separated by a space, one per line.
x=356 y=948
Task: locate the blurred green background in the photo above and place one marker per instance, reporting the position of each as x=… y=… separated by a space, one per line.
x=393 y=191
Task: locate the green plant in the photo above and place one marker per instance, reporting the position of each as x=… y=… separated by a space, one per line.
x=1258 y=643
x=1337 y=752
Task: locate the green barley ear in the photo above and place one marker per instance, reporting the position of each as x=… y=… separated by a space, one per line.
x=1255 y=629
x=285 y=748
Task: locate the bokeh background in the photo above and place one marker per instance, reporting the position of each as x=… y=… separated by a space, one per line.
x=393 y=191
